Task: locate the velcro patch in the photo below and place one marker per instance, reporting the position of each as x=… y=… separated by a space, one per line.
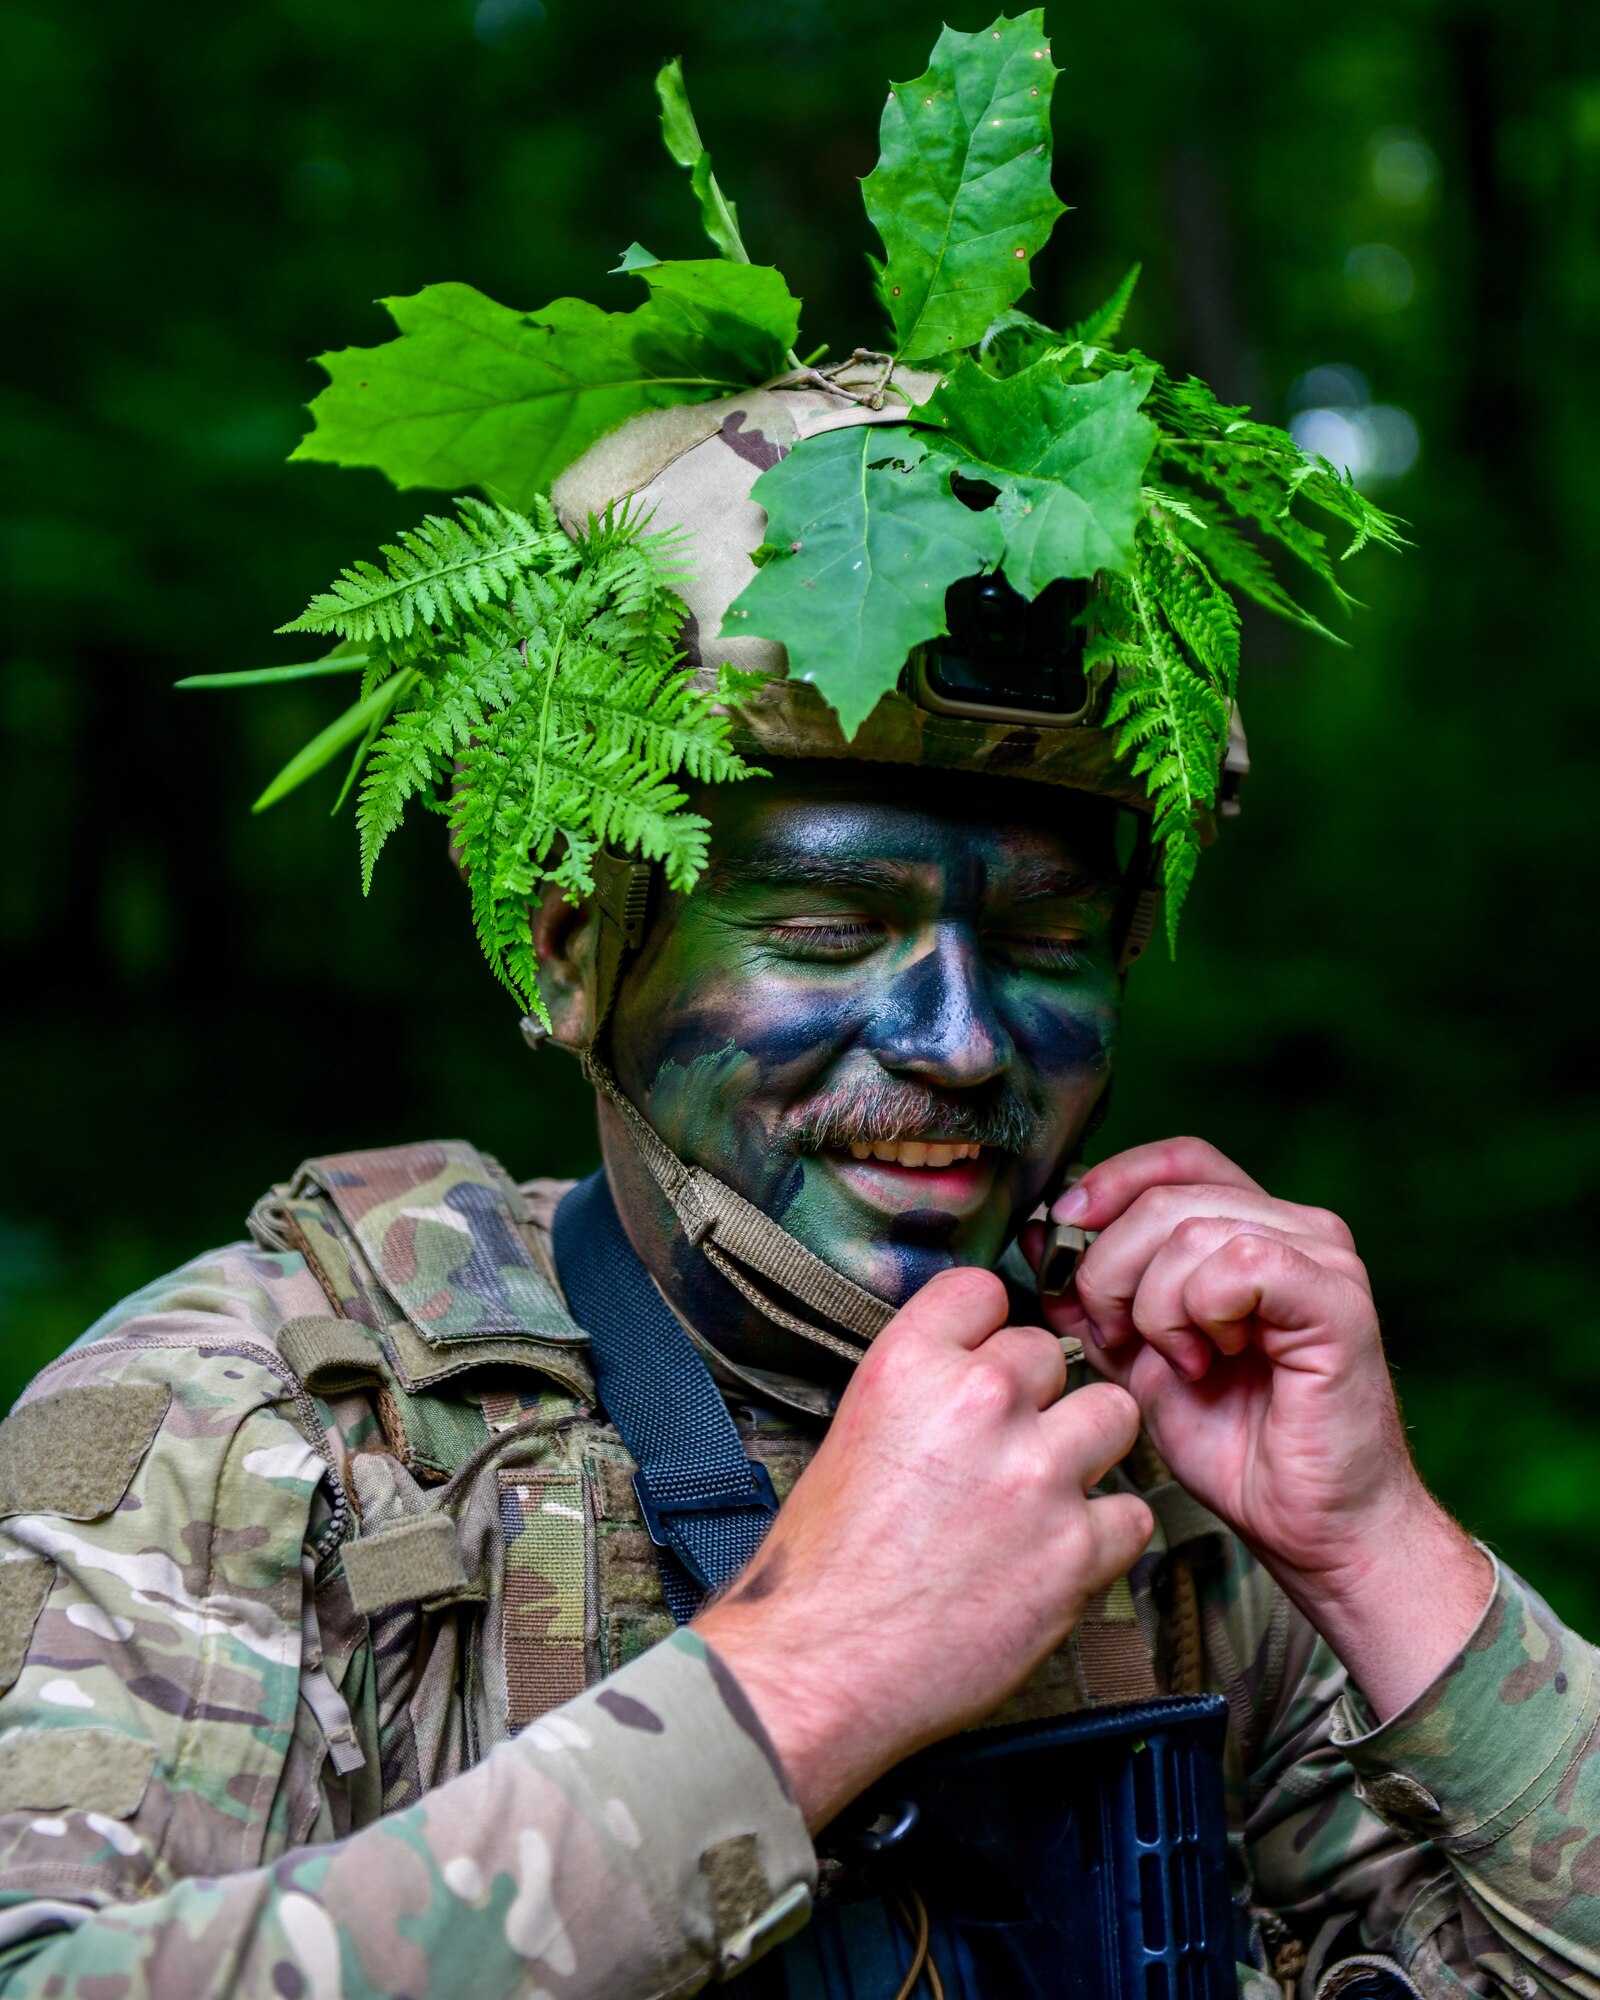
x=417 y=1561
x=543 y=1522
x=329 y=1355
x=25 y=1583
x=75 y=1453
x=82 y=1770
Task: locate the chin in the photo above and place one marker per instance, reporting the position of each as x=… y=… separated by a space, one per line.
x=896 y=1268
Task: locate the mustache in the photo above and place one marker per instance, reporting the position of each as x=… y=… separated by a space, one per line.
x=886 y=1108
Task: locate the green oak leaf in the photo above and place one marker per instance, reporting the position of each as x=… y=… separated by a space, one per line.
x=718 y=216
x=868 y=537
x=743 y=313
x=1067 y=460
x=473 y=393
x=961 y=193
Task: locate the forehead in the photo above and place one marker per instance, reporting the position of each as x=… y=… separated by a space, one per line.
x=858 y=822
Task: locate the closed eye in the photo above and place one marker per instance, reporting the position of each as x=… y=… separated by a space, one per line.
x=1037 y=952
x=824 y=942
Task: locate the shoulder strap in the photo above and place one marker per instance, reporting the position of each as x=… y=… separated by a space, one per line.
x=707 y=1505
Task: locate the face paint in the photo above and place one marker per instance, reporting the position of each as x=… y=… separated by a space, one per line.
x=881 y=1019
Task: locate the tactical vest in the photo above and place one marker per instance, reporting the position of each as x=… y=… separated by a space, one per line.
x=487 y=1539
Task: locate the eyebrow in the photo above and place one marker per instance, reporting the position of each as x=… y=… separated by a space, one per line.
x=1029 y=881
x=792 y=870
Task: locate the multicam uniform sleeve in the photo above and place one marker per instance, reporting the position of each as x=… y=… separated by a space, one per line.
x=1462 y=1837
x=153 y=1760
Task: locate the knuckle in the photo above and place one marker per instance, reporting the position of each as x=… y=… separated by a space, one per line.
x=1153 y=1203
x=1250 y=1252
x=887 y=1367
x=1129 y=1523
x=1109 y=1410
x=988 y=1388
x=1350 y=1266
x=1194 y=1234
x=1037 y=1344
x=1091 y=1284
x=1323 y=1222
x=1034 y=1482
x=1190 y=1155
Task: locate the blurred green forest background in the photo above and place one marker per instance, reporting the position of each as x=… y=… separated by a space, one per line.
x=1376 y=219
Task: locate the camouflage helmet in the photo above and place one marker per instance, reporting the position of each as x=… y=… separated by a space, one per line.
x=693 y=466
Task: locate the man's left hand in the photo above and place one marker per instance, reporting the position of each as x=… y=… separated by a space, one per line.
x=1245 y=1328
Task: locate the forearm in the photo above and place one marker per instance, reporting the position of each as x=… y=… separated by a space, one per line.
x=1400 y=1603
x=1492 y=1768
x=635 y=1842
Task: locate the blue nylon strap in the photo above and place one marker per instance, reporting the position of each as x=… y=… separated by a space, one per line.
x=706 y=1505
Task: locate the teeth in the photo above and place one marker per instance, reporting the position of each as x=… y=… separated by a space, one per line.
x=915 y=1152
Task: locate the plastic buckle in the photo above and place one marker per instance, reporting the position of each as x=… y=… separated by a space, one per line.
x=762 y=1494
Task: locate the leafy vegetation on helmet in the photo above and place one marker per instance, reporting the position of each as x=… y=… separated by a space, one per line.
x=876 y=537
x=681 y=136
x=961 y=193
x=475 y=394
x=530 y=687
x=1102 y=466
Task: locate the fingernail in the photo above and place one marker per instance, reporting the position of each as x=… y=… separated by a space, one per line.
x=1073 y=1205
x=1095 y=1334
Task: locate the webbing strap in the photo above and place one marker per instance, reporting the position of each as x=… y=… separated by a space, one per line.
x=706 y=1505
x=738 y=1240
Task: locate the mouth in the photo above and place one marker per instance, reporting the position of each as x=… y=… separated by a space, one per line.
x=908 y=1176
x=916 y=1152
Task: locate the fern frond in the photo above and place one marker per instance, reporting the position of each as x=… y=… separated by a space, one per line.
x=1173 y=657
x=1204 y=525
x=1106 y=321
x=1200 y=612
x=439 y=575
x=539 y=700
x=434 y=727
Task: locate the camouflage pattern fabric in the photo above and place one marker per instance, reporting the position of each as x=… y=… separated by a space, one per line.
x=694 y=467
x=217 y=1775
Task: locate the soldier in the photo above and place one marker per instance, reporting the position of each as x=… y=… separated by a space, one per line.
x=339 y=1661
x=468 y=1588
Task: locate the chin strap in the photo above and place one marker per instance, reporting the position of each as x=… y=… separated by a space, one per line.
x=746 y=1247
x=741 y=1243
x=737 y=1240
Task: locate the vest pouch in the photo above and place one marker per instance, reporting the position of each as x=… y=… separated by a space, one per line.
x=1080 y=1859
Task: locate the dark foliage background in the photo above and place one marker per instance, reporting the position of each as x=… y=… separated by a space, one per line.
x=1384 y=999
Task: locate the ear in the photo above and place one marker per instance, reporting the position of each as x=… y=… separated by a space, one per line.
x=564 y=939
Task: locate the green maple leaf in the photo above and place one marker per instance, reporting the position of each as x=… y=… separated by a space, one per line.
x=961 y=193
x=743 y=313
x=868 y=537
x=1067 y=459
x=475 y=394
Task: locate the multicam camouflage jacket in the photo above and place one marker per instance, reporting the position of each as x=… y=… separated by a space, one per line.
x=335 y=1664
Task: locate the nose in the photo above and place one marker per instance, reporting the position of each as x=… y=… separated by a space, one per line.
x=937 y=1019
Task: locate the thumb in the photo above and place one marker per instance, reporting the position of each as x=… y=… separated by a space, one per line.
x=957 y=1308
x=1122 y=1525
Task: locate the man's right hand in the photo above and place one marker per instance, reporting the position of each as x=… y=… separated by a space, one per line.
x=938 y=1547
